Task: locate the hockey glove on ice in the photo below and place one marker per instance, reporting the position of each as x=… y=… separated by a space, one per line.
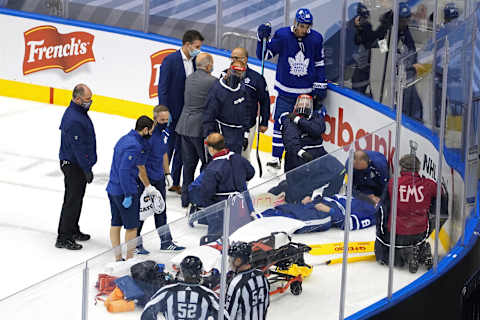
x=127 y=202
x=264 y=31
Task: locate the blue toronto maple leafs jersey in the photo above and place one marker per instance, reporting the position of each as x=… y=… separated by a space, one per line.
x=301 y=61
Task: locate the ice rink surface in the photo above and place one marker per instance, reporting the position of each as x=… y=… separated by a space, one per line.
x=31 y=189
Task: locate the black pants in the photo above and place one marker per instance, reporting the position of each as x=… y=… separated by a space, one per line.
x=160 y=219
x=192 y=151
x=175 y=154
x=75 y=184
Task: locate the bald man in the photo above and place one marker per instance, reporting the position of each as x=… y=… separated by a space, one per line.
x=257 y=96
x=189 y=126
x=227 y=110
x=78 y=154
x=225 y=176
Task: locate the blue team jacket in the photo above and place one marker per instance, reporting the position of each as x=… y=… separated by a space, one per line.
x=257 y=93
x=78 y=142
x=130 y=151
x=373 y=179
x=158 y=145
x=224 y=176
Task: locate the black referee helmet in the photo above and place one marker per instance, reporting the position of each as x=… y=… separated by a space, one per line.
x=191 y=268
x=240 y=250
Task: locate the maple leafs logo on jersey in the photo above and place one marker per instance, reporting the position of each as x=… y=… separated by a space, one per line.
x=299 y=65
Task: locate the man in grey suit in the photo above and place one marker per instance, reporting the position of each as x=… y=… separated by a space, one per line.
x=189 y=125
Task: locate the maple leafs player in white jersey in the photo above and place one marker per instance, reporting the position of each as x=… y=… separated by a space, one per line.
x=300 y=69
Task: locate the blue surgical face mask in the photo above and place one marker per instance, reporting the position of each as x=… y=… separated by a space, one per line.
x=194 y=52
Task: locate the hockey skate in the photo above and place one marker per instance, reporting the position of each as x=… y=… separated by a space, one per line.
x=426 y=255
x=413 y=261
x=274 y=165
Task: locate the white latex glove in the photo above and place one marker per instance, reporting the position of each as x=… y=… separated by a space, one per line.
x=168 y=180
x=152 y=191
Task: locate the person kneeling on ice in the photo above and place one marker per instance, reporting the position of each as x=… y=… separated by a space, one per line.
x=322 y=213
x=416 y=200
x=302 y=132
x=187 y=299
x=225 y=176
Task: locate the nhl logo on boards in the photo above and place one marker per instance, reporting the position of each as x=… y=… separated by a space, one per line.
x=46 y=48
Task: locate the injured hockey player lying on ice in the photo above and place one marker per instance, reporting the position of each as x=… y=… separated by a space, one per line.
x=322 y=213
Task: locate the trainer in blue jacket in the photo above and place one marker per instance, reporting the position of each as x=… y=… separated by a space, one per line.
x=300 y=69
x=129 y=158
x=158 y=173
x=225 y=176
x=175 y=68
x=226 y=109
x=78 y=154
x=370 y=172
x=257 y=96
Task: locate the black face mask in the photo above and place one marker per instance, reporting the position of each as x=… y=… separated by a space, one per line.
x=162 y=126
x=147 y=136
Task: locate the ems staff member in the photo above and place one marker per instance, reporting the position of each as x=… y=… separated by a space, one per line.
x=257 y=95
x=189 y=125
x=175 y=68
x=78 y=154
x=129 y=157
x=226 y=110
x=416 y=201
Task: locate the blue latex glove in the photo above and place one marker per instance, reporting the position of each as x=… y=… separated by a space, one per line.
x=127 y=202
x=264 y=31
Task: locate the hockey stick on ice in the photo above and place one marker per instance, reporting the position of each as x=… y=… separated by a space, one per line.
x=370 y=257
x=335 y=248
x=260 y=170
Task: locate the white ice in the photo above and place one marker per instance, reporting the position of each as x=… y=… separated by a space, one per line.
x=31 y=189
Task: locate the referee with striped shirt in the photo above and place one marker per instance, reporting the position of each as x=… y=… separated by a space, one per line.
x=184 y=300
x=248 y=292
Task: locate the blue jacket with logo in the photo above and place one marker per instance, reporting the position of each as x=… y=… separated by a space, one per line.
x=225 y=107
x=224 y=176
x=158 y=145
x=78 y=142
x=374 y=178
x=130 y=151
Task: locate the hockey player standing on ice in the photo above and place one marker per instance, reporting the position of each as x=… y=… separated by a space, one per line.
x=416 y=201
x=300 y=69
x=248 y=292
x=158 y=172
x=226 y=111
x=187 y=299
x=129 y=158
x=370 y=173
x=302 y=132
x=225 y=176
x=78 y=154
